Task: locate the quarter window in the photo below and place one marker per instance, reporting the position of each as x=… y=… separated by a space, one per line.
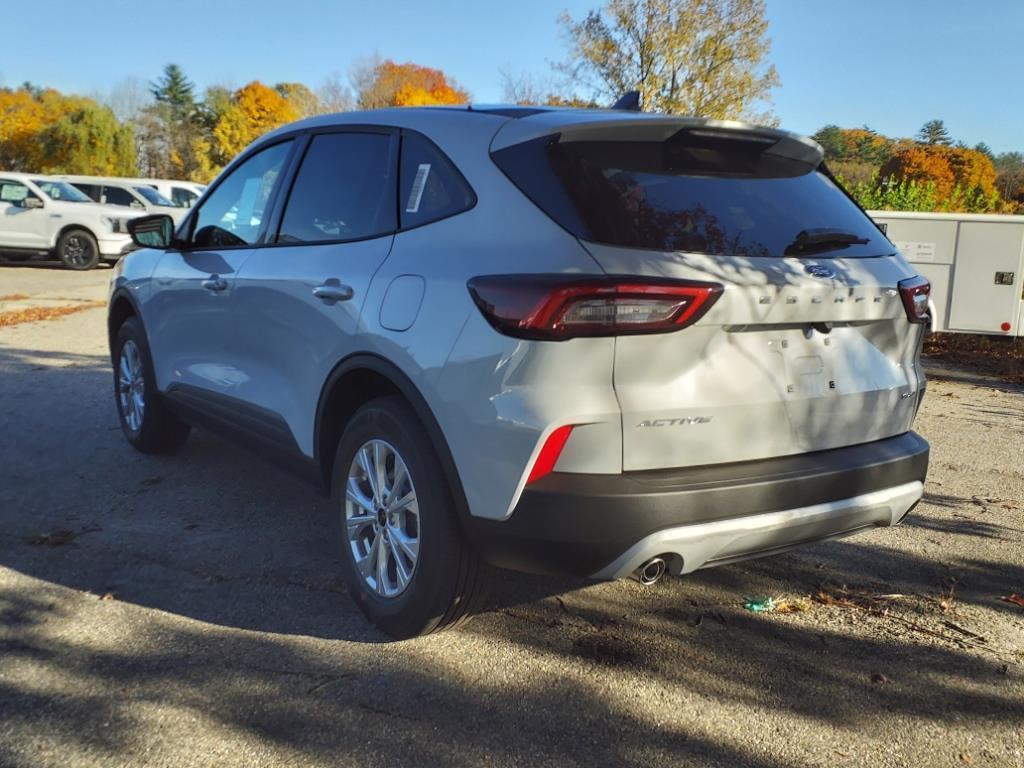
x=233 y=213
x=345 y=190
x=430 y=187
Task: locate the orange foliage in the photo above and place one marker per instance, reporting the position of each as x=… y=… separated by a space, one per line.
x=409 y=85
x=946 y=167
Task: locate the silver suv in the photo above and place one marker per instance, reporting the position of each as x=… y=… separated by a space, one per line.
x=589 y=342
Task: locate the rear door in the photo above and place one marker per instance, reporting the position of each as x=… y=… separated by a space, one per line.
x=808 y=347
x=298 y=300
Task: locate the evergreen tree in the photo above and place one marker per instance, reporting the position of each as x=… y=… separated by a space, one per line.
x=175 y=90
x=934 y=132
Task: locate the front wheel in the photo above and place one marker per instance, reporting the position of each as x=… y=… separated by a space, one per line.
x=78 y=250
x=405 y=558
x=145 y=420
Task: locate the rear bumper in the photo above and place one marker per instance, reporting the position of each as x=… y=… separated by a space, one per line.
x=605 y=526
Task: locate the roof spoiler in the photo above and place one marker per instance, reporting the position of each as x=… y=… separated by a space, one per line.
x=606 y=125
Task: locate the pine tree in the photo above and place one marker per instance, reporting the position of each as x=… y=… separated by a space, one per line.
x=174 y=90
x=934 y=132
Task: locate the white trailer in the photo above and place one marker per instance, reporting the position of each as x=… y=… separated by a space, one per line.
x=975 y=263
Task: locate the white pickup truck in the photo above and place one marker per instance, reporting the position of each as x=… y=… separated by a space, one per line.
x=43 y=217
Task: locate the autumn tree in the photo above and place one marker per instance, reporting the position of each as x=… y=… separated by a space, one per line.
x=947 y=168
x=934 y=133
x=387 y=84
x=1010 y=175
x=22 y=117
x=86 y=138
x=255 y=110
x=303 y=100
x=697 y=57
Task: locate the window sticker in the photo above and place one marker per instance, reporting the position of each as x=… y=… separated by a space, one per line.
x=418 y=185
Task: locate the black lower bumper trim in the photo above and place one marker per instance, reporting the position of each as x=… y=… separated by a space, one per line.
x=576 y=524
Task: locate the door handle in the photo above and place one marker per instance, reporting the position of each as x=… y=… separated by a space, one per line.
x=333 y=291
x=215 y=283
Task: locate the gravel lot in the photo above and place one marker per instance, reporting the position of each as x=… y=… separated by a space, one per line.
x=191 y=613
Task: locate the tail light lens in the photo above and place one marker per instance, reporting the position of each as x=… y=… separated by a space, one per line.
x=915 y=292
x=557 y=307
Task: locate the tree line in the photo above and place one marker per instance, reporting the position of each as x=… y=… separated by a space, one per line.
x=708 y=58
x=929 y=172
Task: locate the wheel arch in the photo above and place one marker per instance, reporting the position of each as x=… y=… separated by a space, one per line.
x=67 y=228
x=120 y=307
x=358 y=379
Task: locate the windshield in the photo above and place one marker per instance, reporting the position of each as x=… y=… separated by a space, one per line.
x=153 y=196
x=61 y=190
x=716 y=195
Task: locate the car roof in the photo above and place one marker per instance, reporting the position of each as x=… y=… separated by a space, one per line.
x=517 y=123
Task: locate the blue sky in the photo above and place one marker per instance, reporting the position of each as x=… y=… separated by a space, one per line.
x=889 y=64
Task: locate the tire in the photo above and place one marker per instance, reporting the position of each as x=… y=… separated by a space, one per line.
x=78 y=250
x=145 y=420
x=446 y=580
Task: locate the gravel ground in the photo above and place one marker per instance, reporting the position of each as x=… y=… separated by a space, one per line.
x=188 y=611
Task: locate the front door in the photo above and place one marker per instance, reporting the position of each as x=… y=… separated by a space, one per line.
x=298 y=300
x=21 y=226
x=188 y=316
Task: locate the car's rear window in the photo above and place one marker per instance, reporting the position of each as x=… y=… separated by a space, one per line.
x=701 y=194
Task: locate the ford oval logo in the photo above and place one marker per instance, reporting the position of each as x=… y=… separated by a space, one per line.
x=816 y=270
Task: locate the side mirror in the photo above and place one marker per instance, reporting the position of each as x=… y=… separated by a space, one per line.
x=32 y=202
x=152 y=231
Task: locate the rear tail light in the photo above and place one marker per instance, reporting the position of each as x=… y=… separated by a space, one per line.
x=915 y=292
x=557 y=307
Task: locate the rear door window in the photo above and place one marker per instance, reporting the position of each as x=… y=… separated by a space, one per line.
x=119 y=196
x=430 y=187
x=721 y=195
x=92 y=190
x=345 y=190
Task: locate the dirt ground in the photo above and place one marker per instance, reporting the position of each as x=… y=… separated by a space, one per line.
x=187 y=611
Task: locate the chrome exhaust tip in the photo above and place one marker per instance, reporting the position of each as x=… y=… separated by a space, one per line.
x=651 y=571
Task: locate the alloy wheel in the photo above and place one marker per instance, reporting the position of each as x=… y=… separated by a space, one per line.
x=131 y=386
x=382 y=518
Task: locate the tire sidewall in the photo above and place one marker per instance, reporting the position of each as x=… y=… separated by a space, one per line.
x=425 y=599
x=62 y=242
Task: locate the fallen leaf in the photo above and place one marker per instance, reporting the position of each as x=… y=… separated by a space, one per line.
x=108 y=596
x=34 y=314
x=964 y=757
x=878 y=677
x=1015 y=599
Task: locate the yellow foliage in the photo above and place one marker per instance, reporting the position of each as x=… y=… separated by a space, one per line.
x=255 y=110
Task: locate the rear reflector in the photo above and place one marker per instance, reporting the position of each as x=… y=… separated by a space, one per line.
x=549 y=453
x=914 y=292
x=557 y=307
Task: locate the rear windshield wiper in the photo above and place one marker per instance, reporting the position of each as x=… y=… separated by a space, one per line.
x=819 y=240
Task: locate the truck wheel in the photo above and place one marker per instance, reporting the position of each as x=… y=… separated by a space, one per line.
x=406 y=560
x=145 y=420
x=78 y=249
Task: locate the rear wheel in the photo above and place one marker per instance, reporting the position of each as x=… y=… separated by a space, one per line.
x=145 y=420
x=406 y=561
x=78 y=249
